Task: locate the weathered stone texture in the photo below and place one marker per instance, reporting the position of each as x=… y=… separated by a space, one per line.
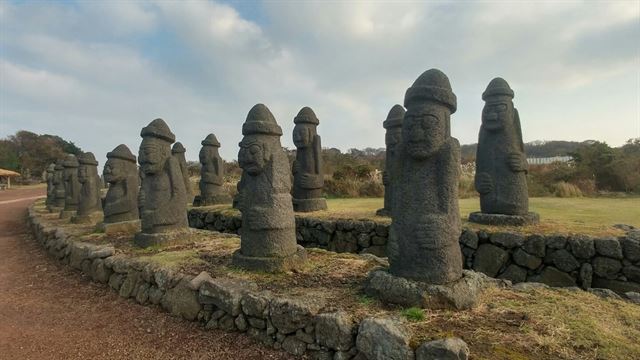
x=423 y=242
x=71 y=184
x=121 y=172
x=501 y=164
x=308 y=176
x=392 y=140
x=90 y=201
x=177 y=151
x=384 y=339
x=211 y=174
x=268 y=239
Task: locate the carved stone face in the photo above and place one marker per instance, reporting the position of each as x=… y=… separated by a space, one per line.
x=82 y=174
x=392 y=138
x=251 y=156
x=153 y=154
x=114 y=170
x=495 y=114
x=302 y=135
x=425 y=131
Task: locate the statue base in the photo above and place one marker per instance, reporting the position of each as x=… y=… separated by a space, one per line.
x=198 y=200
x=86 y=219
x=127 y=227
x=309 y=205
x=54 y=209
x=66 y=214
x=270 y=264
x=461 y=294
x=530 y=218
x=174 y=237
x=383 y=212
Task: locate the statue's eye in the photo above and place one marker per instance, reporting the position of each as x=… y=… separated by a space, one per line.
x=502 y=107
x=254 y=149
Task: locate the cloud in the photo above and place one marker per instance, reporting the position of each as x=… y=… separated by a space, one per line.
x=97 y=72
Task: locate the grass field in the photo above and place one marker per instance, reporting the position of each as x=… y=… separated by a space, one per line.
x=593 y=216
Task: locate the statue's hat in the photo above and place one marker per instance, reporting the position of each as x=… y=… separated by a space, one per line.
x=70 y=161
x=497 y=87
x=121 y=152
x=432 y=85
x=178 y=148
x=306 y=116
x=210 y=140
x=261 y=121
x=159 y=129
x=87 y=159
x=395 y=117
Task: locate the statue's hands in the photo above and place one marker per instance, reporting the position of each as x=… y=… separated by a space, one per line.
x=517 y=162
x=385 y=178
x=484 y=183
x=310 y=181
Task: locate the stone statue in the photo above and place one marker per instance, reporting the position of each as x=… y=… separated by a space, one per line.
x=237 y=199
x=211 y=174
x=90 y=203
x=121 y=203
x=501 y=164
x=51 y=194
x=58 y=187
x=71 y=186
x=268 y=239
x=178 y=152
x=392 y=139
x=424 y=234
x=308 y=178
x=162 y=197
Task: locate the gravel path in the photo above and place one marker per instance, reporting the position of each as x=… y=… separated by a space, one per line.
x=48 y=311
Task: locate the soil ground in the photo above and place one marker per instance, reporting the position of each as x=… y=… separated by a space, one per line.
x=48 y=311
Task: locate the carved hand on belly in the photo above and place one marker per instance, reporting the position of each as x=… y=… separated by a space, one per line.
x=484 y=183
x=517 y=162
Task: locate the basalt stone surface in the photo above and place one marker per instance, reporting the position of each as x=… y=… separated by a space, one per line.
x=501 y=164
x=504 y=220
x=268 y=238
x=58 y=186
x=71 y=186
x=308 y=177
x=392 y=139
x=178 y=151
x=423 y=241
x=162 y=198
x=121 y=202
x=90 y=203
x=211 y=174
x=51 y=194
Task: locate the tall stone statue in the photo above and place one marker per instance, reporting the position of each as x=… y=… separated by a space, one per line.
x=211 y=174
x=178 y=152
x=121 y=203
x=162 y=197
x=90 y=203
x=51 y=194
x=501 y=164
x=237 y=199
x=268 y=239
x=58 y=187
x=71 y=186
x=392 y=139
x=424 y=234
x=308 y=177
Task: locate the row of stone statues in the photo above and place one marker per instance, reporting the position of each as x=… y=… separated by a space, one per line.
x=501 y=164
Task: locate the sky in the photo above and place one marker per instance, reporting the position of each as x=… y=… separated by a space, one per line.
x=96 y=72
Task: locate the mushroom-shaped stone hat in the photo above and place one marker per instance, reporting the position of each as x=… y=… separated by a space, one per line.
x=306 y=116
x=498 y=87
x=395 y=117
x=210 y=140
x=121 y=152
x=432 y=85
x=261 y=121
x=158 y=129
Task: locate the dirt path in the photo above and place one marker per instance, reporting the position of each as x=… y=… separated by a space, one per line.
x=48 y=311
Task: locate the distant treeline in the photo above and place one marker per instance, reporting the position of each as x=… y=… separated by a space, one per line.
x=538 y=149
x=30 y=154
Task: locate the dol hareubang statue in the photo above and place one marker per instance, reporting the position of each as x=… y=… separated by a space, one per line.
x=211 y=174
x=392 y=138
x=178 y=151
x=268 y=238
x=308 y=178
x=58 y=187
x=121 y=203
x=90 y=203
x=71 y=186
x=162 y=198
x=51 y=194
x=501 y=164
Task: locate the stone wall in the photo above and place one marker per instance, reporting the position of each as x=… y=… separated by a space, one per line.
x=556 y=260
x=296 y=325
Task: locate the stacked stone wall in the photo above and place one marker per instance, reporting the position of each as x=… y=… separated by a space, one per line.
x=556 y=260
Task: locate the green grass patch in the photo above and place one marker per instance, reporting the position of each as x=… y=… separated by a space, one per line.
x=174 y=259
x=413 y=314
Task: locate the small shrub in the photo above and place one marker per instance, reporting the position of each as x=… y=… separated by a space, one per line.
x=371 y=188
x=413 y=314
x=564 y=189
x=365 y=299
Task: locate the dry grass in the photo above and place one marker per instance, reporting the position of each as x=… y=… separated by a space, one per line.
x=542 y=324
